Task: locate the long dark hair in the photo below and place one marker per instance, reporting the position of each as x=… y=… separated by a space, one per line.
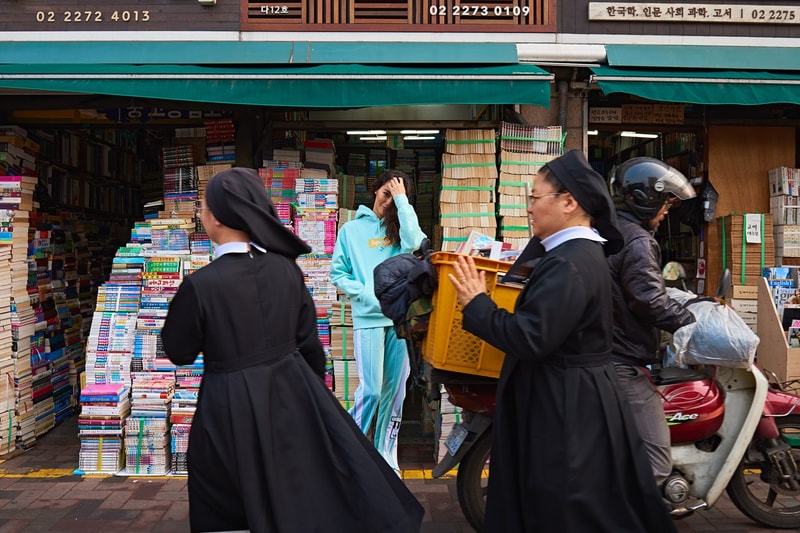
x=390 y=219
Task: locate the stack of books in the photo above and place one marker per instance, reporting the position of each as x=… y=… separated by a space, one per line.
x=280 y=182
x=445 y=415
x=220 y=139
x=23 y=323
x=110 y=346
x=101 y=423
x=7 y=358
x=17 y=152
x=147 y=427
x=320 y=154
x=469 y=181
x=184 y=405
x=524 y=150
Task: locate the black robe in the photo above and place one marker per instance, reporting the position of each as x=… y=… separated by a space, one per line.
x=271 y=449
x=566 y=456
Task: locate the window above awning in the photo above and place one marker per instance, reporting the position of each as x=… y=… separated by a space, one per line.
x=731 y=87
x=324 y=86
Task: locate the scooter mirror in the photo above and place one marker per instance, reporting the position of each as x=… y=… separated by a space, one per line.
x=725 y=287
x=673 y=271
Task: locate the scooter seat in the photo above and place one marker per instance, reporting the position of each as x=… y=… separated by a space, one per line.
x=672 y=375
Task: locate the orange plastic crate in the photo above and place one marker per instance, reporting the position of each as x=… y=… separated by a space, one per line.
x=447 y=345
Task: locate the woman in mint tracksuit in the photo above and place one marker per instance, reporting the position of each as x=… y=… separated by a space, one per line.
x=388 y=229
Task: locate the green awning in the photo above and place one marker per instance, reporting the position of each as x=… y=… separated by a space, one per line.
x=218 y=53
x=330 y=85
x=733 y=87
x=703 y=57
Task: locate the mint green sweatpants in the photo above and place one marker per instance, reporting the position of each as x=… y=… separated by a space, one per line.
x=383 y=370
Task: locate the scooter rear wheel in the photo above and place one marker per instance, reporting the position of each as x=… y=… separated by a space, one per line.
x=758 y=493
x=473 y=480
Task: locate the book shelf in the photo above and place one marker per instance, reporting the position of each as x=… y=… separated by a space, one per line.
x=774 y=353
x=93 y=170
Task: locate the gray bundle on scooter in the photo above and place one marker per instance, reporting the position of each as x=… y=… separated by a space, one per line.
x=718 y=336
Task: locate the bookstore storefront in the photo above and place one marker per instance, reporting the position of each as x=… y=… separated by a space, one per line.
x=745 y=102
x=91 y=175
x=738 y=108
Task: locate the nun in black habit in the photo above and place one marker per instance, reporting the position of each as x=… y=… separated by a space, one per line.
x=270 y=449
x=566 y=456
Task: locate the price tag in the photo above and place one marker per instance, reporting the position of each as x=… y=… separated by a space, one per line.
x=752 y=225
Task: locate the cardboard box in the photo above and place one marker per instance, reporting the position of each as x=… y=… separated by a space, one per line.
x=347 y=191
x=745 y=292
x=751 y=319
x=746 y=259
x=741 y=305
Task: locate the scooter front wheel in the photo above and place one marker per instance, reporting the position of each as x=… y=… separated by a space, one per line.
x=758 y=491
x=472 y=481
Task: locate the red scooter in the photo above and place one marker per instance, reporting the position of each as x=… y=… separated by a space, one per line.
x=732 y=429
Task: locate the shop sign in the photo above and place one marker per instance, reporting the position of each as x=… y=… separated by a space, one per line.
x=703 y=13
x=605 y=115
x=652 y=113
x=400 y=15
x=117 y=15
x=668 y=113
x=151 y=115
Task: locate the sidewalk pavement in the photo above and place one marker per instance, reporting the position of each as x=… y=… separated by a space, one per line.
x=39 y=492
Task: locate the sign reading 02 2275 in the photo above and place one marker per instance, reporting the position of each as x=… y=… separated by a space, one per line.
x=90 y=16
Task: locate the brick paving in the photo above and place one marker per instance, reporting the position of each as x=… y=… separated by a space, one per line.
x=39 y=492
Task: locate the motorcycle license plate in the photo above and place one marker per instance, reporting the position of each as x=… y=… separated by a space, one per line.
x=455 y=439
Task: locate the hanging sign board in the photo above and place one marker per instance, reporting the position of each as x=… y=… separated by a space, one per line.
x=605 y=115
x=652 y=113
x=637 y=114
x=668 y=113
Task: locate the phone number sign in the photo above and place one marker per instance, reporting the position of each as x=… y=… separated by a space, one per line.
x=117 y=15
x=705 y=13
x=400 y=15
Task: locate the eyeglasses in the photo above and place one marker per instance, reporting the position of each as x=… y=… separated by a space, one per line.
x=533 y=197
x=197 y=210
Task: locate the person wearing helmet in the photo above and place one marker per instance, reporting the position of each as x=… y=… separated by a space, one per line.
x=643 y=189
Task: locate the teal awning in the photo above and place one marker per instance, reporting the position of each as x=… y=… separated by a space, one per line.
x=737 y=87
x=703 y=57
x=219 y=53
x=329 y=85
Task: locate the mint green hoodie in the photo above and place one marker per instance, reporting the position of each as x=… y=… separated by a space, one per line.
x=361 y=245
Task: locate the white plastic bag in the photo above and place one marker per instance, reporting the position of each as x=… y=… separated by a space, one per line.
x=718 y=336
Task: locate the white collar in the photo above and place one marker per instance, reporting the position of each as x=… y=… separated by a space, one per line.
x=573 y=232
x=236 y=247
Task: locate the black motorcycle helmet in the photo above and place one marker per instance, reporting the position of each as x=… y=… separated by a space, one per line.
x=644 y=185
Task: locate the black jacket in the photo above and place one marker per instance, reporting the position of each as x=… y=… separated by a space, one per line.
x=641 y=304
x=401 y=280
